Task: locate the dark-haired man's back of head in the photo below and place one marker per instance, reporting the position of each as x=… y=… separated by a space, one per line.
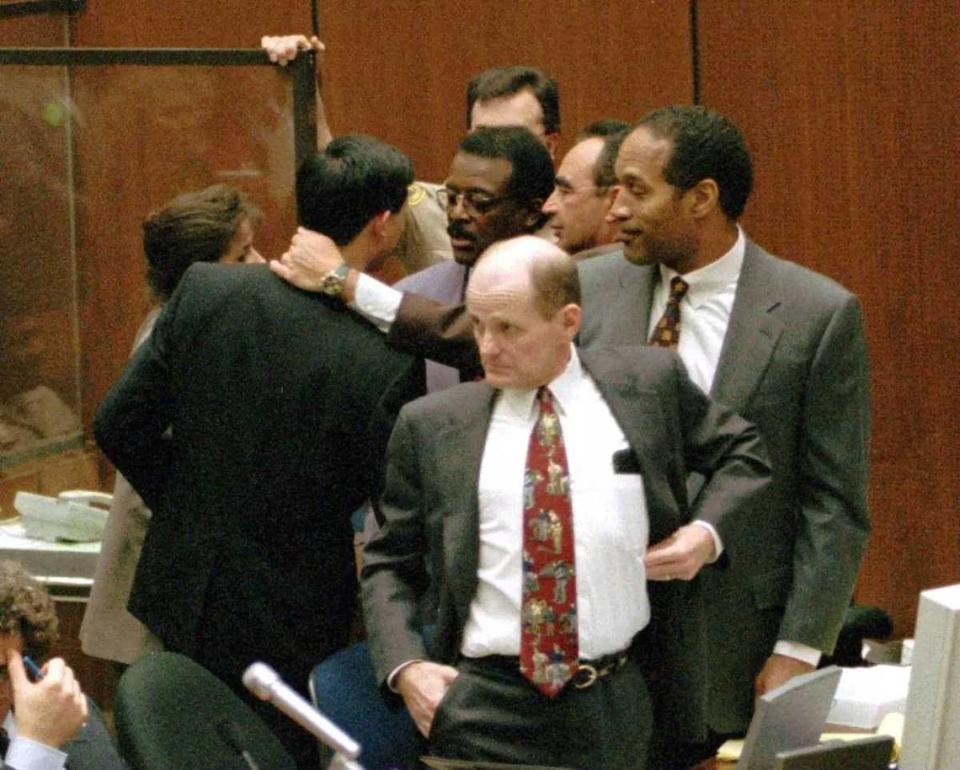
x=355 y=178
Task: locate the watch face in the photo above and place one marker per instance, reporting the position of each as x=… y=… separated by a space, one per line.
x=333 y=283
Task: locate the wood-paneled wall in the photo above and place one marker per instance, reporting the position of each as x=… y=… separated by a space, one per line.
x=850 y=111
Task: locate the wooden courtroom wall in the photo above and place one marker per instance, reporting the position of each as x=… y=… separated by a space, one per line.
x=850 y=109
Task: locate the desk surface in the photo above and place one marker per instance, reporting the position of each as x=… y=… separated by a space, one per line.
x=65 y=568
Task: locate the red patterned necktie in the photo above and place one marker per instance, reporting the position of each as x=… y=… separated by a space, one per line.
x=549 y=647
x=666 y=334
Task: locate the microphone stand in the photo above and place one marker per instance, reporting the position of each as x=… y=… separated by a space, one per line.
x=266 y=684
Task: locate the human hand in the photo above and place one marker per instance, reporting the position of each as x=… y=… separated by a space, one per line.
x=283 y=49
x=310 y=257
x=681 y=555
x=51 y=710
x=423 y=685
x=778 y=670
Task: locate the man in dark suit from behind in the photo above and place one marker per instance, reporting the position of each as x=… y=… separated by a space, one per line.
x=46 y=721
x=279 y=404
x=775 y=342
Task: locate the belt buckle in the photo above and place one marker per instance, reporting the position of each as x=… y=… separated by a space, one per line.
x=592 y=675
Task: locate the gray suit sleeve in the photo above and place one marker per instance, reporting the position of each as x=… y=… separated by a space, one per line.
x=394 y=571
x=726 y=449
x=833 y=464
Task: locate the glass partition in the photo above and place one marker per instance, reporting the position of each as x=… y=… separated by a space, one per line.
x=91 y=140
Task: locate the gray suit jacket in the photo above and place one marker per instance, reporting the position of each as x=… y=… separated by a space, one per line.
x=794 y=363
x=431 y=513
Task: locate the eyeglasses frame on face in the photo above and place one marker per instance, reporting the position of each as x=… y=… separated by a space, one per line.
x=448 y=199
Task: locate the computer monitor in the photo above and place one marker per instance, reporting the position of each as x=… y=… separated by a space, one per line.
x=790 y=717
x=931 y=726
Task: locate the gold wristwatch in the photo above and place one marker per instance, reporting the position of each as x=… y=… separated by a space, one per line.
x=334 y=281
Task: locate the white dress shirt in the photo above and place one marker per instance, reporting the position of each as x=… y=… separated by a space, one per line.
x=26 y=754
x=610 y=522
x=704 y=317
x=704 y=311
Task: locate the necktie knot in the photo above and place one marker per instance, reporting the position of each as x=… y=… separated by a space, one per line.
x=678 y=289
x=544 y=397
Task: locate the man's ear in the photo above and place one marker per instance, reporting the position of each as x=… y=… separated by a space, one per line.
x=378 y=223
x=572 y=317
x=704 y=198
x=552 y=143
x=533 y=215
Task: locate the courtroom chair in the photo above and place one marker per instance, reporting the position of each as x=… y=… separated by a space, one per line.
x=172 y=714
x=860 y=622
x=344 y=689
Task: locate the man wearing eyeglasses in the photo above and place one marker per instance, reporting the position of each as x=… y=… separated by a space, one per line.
x=584 y=191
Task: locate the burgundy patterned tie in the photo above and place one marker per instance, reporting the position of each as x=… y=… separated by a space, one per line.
x=548 y=630
x=666 y=334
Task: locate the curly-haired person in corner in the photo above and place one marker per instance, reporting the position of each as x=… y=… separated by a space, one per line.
x=47 y=721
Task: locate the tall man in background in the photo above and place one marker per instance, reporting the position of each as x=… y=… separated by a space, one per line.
x=775 y=342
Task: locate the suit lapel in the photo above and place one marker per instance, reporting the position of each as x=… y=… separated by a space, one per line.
x=461 y=442
x=636 y=409
x=636 y=285
x=752 y=334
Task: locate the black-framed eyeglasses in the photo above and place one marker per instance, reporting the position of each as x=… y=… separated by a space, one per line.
x=474 y=203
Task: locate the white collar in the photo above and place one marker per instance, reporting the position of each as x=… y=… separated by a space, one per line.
x=563 y=387
x=705 y=281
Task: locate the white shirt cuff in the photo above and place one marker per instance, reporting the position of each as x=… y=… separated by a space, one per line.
x=798 y=651
x=717 y=542
x=376 y=302
x=28 y=754
x=391 y=680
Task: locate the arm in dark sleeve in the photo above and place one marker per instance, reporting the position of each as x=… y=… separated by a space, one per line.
x=407 y=385
x=437 y=331
x=132 y=421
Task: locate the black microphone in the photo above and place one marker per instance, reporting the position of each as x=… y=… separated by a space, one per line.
x=267 y=685
x=231 y=734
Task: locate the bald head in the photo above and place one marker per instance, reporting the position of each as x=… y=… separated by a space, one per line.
x=533 y=264
x=523 y=298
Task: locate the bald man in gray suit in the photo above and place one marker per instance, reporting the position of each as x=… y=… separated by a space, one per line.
x=779 y=344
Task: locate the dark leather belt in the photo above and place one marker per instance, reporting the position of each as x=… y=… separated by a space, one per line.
x=588 y=673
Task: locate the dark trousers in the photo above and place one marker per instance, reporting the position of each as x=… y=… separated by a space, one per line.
x=492 y=713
